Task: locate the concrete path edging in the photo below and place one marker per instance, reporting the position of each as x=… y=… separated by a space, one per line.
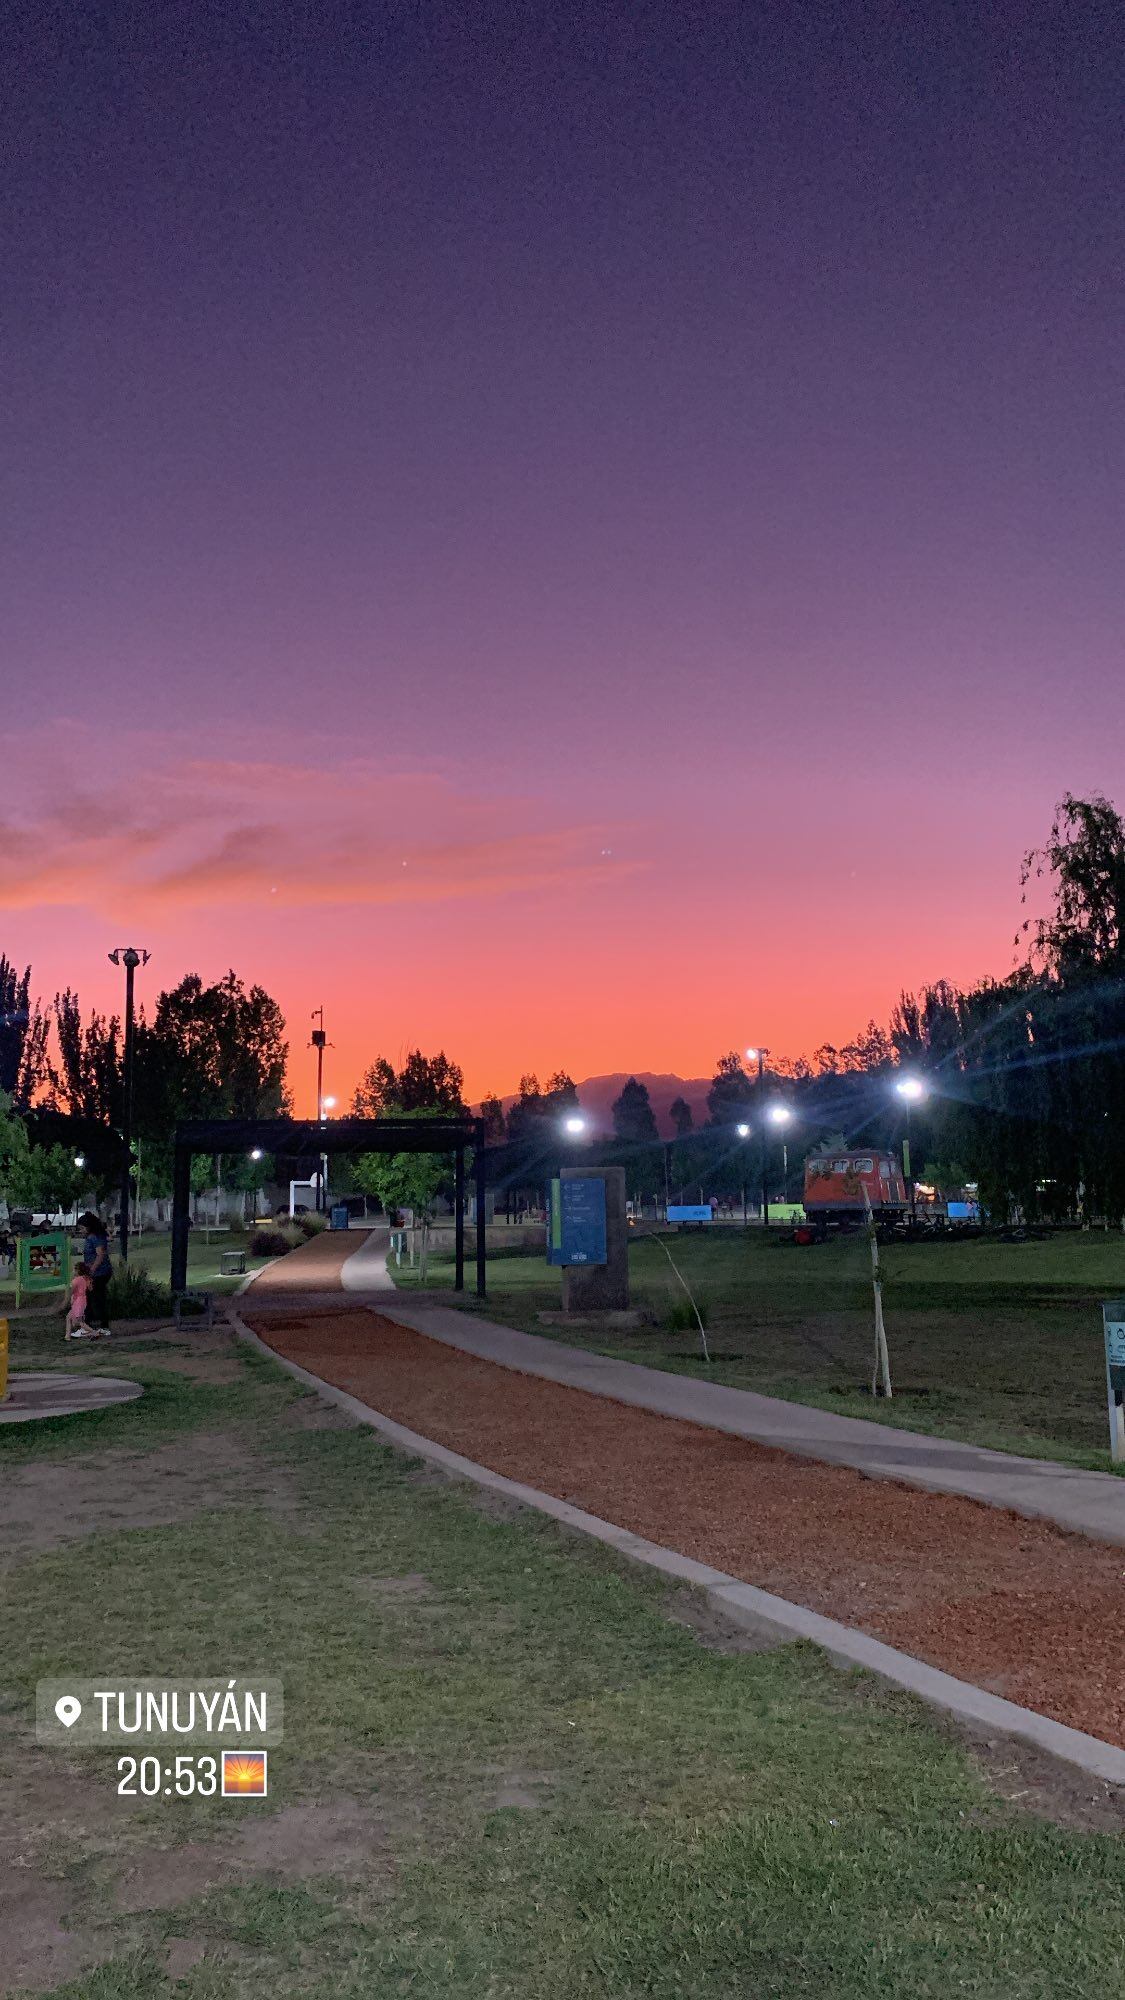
x=1085 y=1503
x=743 y=1603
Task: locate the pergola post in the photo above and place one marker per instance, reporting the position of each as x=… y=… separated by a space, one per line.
x=480 y=1170
x=459 y=1219
x=181 y=1203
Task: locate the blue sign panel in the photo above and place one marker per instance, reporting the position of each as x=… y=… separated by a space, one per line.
x=696 y=1212
x=340 y=1217
x=576 y=1234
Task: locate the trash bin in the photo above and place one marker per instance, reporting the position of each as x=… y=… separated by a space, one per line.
x=3 y=1360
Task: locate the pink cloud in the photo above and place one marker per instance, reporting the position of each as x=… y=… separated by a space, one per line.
x=186 y=832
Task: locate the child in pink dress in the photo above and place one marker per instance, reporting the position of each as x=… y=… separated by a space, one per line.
x=76 y=1327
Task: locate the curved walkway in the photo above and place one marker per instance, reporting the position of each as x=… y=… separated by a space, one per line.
x=1015 y=1608
x=1087 y=1503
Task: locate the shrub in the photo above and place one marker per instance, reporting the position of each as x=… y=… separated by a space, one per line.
x=680 y=1317
x=271 y=1240
x=311 y=1225
x=133 y=1294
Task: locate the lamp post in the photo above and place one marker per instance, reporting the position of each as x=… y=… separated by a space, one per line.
x=778 y=1114
x=319 y=1042
x=911 y=1089
x=128 y=956
x=759 y=1056
x=744 y=1133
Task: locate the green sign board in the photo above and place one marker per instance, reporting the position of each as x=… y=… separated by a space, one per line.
x=42 y=1263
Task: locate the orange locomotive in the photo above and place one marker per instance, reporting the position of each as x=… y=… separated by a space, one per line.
x=835 y=1183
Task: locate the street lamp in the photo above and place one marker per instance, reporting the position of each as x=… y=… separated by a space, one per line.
x=912 y=1090
x=574 y=1125
x=743 y=1133
x=319 y=1041
x=780 y=1114
x=79 y=1159
x=128 y=956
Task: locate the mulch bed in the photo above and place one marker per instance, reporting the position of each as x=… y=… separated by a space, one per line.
x=1013 y=1605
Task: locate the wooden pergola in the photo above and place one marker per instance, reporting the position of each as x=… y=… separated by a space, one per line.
x=313 y=1137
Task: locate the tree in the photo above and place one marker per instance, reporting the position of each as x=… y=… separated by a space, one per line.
x=527 y=1110
x=87 y=1080
x=680 y=1112
x=560 y=1094
x=13 y=1145
x=46 y=1179
x=23 y=1037
x=632 y=1113
x=1085 y=857
x=406 y=1180
x=492 y=1112
x=730 y=1091
x=211 y=1051
x=425 y=1083
x=374 y=1089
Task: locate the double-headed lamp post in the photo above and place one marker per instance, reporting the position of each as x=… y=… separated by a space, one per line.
x=128 y=956
x=912 y=1090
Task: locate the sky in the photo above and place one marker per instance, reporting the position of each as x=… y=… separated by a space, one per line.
x=587 y=536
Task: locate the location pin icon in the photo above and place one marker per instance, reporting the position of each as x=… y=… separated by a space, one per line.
x=68 y=1709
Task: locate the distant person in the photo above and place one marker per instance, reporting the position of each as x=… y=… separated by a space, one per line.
x=95 y=1256
x=77 y=1327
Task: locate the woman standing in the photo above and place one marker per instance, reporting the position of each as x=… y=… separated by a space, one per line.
x=95 y=1256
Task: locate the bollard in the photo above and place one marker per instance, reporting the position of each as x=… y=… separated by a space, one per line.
x=3 y=1360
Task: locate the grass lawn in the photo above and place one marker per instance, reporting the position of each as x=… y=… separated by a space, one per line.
x=507 y=1770
x=998 y=1343
x=152 y=1253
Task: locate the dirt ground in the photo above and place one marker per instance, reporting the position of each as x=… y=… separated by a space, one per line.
x=1015 y=1606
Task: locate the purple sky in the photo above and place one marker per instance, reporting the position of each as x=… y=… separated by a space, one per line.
x=661 y=468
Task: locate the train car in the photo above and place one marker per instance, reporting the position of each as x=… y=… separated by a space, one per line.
x=835 y=1183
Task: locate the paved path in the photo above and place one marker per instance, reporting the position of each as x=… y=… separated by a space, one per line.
x=366 y=1268
x=1090 y=1503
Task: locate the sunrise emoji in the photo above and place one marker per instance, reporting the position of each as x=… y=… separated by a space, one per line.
x=244 y=1774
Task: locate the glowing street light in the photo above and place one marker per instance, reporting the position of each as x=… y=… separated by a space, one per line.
x=744 y=1131
x=256 y=1153
x=779 y=1114
x=329 y=1103
x=911 y=1089
x=574 y=1125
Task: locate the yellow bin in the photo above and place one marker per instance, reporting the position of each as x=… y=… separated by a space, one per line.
x=3 y=1360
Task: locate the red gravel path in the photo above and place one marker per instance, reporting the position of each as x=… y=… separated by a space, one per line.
x=1016 y=1606
x=312 y=1266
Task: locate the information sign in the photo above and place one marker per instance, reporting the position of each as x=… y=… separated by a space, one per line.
x=1113 y=1320
x=577 y=1230
x=340 y=1217
x=689 y=1212
x=42 y=1263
